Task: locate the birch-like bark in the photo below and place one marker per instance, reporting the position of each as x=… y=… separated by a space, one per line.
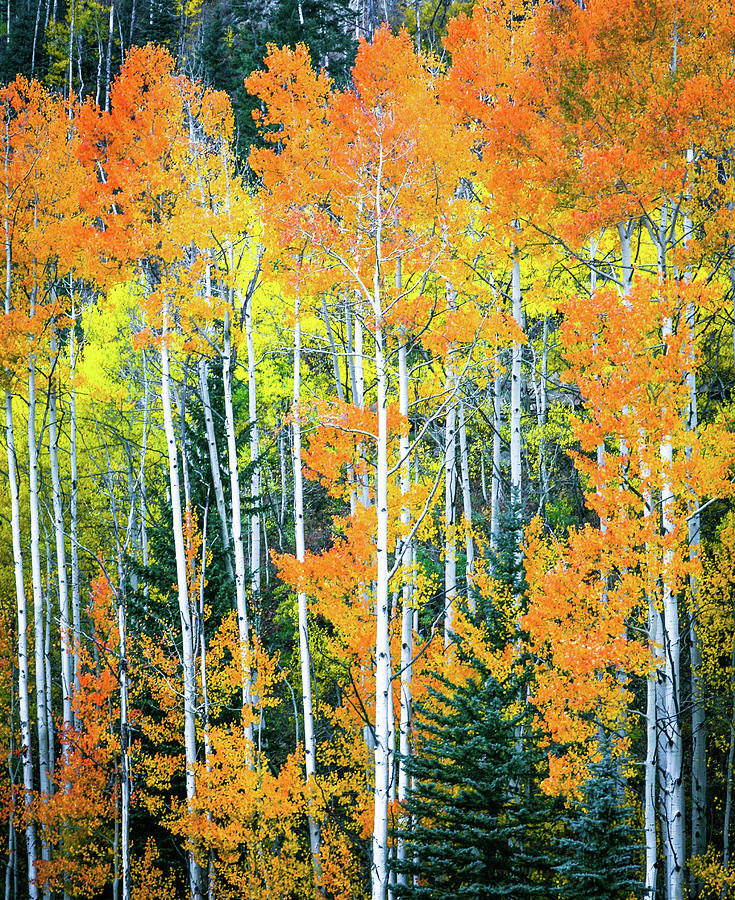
x=44 y=764
x=469 y=544
x=671 y=766
x=333 y=351
x=219 y=494
x=240 y=599
x=187 y=648
x=181 y=403
x=48 y=614
x=495 y=473
x=515 y=388
x=67 y=667
x=540 y=390
x=651 y=762
x=205 y=693
x=255 y=477
x=124 y=749
x=699 y=722
x=450 y=489
x=122 y=830
x=76 y=608
x=20 y=597
x=383 y=692
x=404 y=740
x=359 y=398
x=108 y=55
x=143 y=491
x=304 y=653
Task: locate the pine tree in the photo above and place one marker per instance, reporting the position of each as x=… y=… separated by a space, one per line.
x=602 y=848
x=479 y=824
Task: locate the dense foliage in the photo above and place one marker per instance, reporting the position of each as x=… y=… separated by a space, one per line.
x=369 y=450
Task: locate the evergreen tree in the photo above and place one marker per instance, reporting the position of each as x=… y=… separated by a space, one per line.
x=507 y=561
x=602 y=848
x=478 y=822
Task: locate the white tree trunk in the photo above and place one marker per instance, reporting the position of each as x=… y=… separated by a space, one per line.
x=651 y=762
x=333 y=351
x=187 y=647
x=67 y=667
x=205 y=693
x=495 y=473
x=671 y=739
x=469 y=543
x=404 y=741
x=255 y=479
x=674 y=839
x=450 y=489
x=20 y=597
x=240 y=599
x=42 y=712
x=219 y=494
x=304 y=653
x=515 y=388
x=76 y=607
x=383 y=690
x=699 y=722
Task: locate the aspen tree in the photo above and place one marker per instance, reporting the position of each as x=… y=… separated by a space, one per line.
x=195 y=888
x=214 y=465
x=303 y=624
x=20 y=595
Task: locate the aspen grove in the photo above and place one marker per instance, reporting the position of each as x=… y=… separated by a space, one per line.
x=368 y=495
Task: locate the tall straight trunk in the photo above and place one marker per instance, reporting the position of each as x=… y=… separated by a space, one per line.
x=671 y=765
x=450 y=488
x=729 y=772
x=383 y=689
x=650 y=788
x=181 y=402
x=44 y=764
x=35 y=38
x=363 y=495
x=143 y=491
x=187 y=647
x=404 y=740
x=72 y=25
x=353 y=394
x=304 y=654
x=205 y=694
x=540 y=390
x=219 y=494
x=469 y=544
x=515 y=388
x=333 y=351
x=20 y=597
x=122 y=826
x=255 y=477
x=20 y=600
x=108 y=55
x=655 y=628
x=495 y=473
x=124 y=750
x=699 y=722
x=10 y=863
x=76 y=608
x=67 y=667
x=282 y=460
x=240 y=599
x=48 y=614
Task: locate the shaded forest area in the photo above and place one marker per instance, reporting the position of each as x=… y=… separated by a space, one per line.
x=366 y=497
